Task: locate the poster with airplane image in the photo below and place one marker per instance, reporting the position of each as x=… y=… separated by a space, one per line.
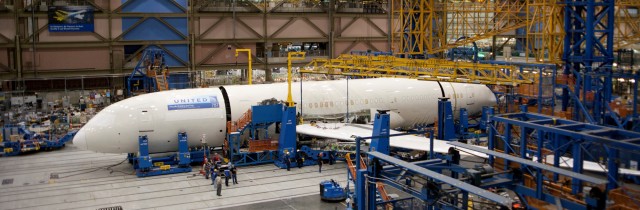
x=71 y=19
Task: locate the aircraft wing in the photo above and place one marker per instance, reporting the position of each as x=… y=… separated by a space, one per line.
x=566 y=162
x=348 y=132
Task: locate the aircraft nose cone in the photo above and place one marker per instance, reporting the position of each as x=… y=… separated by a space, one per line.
x=80 y=140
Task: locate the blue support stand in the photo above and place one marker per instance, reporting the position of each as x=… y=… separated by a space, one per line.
x=287 y=141
x=446 y=130
x=487 y=112
x=184 y=156
x=463 y=125
x=144 y=160
x=381 y=125
x=145 y=165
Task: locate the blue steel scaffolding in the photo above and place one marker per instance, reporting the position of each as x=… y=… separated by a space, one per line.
x=588 y=56
x=564 y=138
x=139 y=80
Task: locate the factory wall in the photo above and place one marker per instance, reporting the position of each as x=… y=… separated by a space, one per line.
x=8 y=31
x=71 y=59
x=158 y=28
x=123 y=28
x=4 y=59
x=8 y=28
x=222 y=54
x=298 y=28
x=370 y=34
x=363 y=28
x=346 y=47
x=222 y=28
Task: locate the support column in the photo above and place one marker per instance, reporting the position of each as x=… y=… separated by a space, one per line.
x=332 y=22
x=18 y=56
x=507 y=144
x=360 y=188
x=612 y=166
x=268 y=74
x=576 y=184
x=591 y=24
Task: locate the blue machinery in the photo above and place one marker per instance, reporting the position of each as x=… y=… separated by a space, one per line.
x=287 y=143
x=449 y=129
x=258 y=120
x=180 y=162
x=514 y=169
x=28 y=141
x=383 y=168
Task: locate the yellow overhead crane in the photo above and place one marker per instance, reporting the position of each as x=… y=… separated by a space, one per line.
x=291 y=57
x=427 y=69
x=250 y=74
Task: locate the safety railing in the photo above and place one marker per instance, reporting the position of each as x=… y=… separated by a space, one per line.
x=240 y=123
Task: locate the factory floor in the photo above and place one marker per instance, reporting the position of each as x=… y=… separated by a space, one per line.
x=76 y=179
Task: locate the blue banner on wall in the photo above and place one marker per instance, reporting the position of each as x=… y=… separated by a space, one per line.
x=71 y=19
x=193 y=102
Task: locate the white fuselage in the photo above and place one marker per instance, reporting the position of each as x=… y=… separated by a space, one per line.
x=162 y=115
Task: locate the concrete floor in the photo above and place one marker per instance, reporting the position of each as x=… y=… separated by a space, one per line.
x=310 y=202
x=88 y=180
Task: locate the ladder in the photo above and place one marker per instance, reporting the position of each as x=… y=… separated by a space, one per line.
x=382 y=192
x=161 y=81
x=352 y=167
x=384 y=195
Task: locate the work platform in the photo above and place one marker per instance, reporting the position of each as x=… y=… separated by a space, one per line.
x=84 y=182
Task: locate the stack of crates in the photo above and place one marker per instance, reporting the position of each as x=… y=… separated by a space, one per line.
x=566 y=114
x=528 y=89
x=621 y=109
x=262 y=145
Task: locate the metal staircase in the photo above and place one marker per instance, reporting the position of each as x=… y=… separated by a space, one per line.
x=239 y=124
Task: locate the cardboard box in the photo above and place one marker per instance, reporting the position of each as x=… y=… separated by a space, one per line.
x=15 y=138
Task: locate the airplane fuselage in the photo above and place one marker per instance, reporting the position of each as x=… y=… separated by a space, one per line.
x=162 y=115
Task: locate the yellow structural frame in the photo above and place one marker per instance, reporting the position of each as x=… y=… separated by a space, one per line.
x=422 y=27
x=290 y=57
x=627 y=24
x=250 y=70
x=424 y=69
